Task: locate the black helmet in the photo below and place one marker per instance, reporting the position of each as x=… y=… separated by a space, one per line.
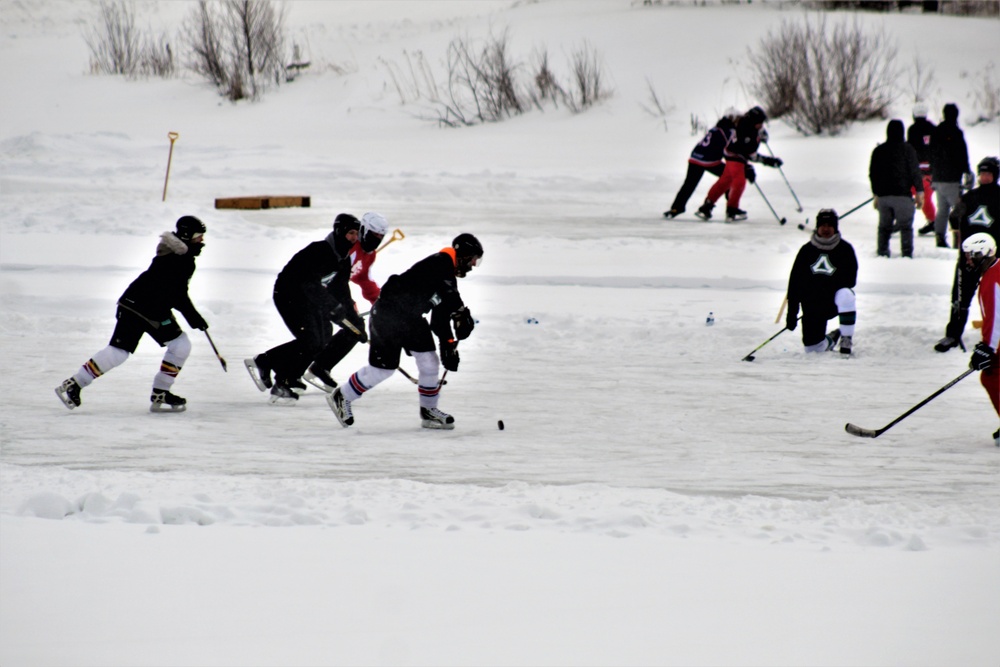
x=991 y=165
x=188 y=226
x=468 y=253
x=756 y=115
x=827 y=216
x=344 y=223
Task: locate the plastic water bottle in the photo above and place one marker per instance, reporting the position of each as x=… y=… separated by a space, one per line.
x=710 y=320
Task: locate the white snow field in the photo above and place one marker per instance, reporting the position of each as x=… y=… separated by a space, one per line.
x=652 y=500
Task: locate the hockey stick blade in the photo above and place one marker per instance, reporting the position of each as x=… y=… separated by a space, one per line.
x=861 y=432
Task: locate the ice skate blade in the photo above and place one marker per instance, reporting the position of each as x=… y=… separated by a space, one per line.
x=162 y=408
x=64 y=397
x=255 y=374
x=431 y=423
x=316 y=382
x=282 y=400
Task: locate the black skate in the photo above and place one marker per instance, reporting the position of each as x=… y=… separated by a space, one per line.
x=259 y=372
x=163 y=401
x=846 y=345
x=672 y=213
x=705 y=212
x=319 y=378
x=831 y=339
x=69 y=393
x=341 y=408
x=734 y=214
x=434 y=418
x=282 y=394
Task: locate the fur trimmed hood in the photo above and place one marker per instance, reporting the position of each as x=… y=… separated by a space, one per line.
x=170 y=244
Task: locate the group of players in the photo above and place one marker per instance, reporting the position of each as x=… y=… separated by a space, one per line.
x=311 y=293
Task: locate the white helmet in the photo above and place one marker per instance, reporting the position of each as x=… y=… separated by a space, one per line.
x=373 y=229
x=980 y=248
x=920 y=110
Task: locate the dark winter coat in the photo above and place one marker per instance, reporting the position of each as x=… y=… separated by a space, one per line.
x=978 y=211
x=319 y=275
x=744 y=147
x=164 y=285
x=919 y=136
x=430 y=285
x=709 y=151
x=818 y=273
x=894 y=167
x=949 y=154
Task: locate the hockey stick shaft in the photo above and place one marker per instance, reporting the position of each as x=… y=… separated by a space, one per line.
x=764 y=197
x=750 y=356
x=869 y=433
x=794 y=196
x=862 y=204
x=216 y=350
x=407 y=375
x=781 y=311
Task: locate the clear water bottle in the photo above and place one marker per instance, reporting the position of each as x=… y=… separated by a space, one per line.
x=710 y=320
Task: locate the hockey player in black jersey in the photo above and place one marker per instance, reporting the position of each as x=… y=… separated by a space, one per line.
x=398 y=323
x=310 y=293
x=146 y=307
x=822 y=282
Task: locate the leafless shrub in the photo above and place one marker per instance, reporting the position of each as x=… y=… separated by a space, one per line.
x=655 y=108
x=118 y=47
x=920 y=78
x=547 y=87
x=237 y=45
x=414 y=80
x=482 y=82
x=985 y=93
x=841 y=75
x=588 y=79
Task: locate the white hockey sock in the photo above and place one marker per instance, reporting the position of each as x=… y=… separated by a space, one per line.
x=178 y=350
x=99 y=364
x=428 y=366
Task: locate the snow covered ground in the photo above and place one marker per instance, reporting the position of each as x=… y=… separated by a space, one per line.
x=652 y=500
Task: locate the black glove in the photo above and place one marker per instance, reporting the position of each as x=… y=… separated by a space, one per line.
x=792 y=319
x=462 y=321
x=769 y=161
x=197 y=321
x=449 y=355
x=355 y=324
x=749 y=172
x=983 y=358
x=763 y=136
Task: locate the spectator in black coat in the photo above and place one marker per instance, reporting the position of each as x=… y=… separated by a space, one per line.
x=949 y=169
x=146 y=307
x=311 y=293
x=822 y=281
x=894 y=173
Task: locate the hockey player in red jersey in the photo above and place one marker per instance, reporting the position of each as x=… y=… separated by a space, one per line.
x=980 y=252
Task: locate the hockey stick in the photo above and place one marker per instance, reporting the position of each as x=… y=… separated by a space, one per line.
x=750 y=356
x=216 y=350
x=397 y=235
x=800 y=209
x=407 y=375
x=781 y=311
x=780 y=219
x=874 y=433
x=858 y=207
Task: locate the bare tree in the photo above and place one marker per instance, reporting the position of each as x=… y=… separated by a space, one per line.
x=118 y=47
x=238 y=45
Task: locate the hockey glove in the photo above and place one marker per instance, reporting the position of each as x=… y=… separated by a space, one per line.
x=763 y=136
x=983 y=357
x=463 y=323
x=197 y=322
x=449 y=355
x=792 y=318
x=769 y=161
x=749 y=172
x=968 y=180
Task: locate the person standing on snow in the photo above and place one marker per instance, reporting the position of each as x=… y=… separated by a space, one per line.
x=822 y=281
x=738 y=154
x=980 y=251
x=706 y=156
x=373 y=229
x=398 y=323
x=978 y=210
x=146 y=307
x=310 y=292
x=949 y=169
x=918 y=135
x=894 y=173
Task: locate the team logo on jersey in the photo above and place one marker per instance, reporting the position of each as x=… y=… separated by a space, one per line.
x=823 y=265
x=325 y=280
x=435 y=299
x=981 y=216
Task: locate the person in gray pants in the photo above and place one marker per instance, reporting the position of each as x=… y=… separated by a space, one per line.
x=895 y=178
x=949 y=170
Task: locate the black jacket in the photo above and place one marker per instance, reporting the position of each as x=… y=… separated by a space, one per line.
x=164 y=285
x=430 y=285
x=817 y=274
x=746 y=143
x=894 y=167
x=319 y=273
x=919 y=136
x=949 y=154
x=978 y=211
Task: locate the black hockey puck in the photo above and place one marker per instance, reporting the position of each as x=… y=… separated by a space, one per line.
x=801 y=226
x=784 y=220
x=500 y=424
